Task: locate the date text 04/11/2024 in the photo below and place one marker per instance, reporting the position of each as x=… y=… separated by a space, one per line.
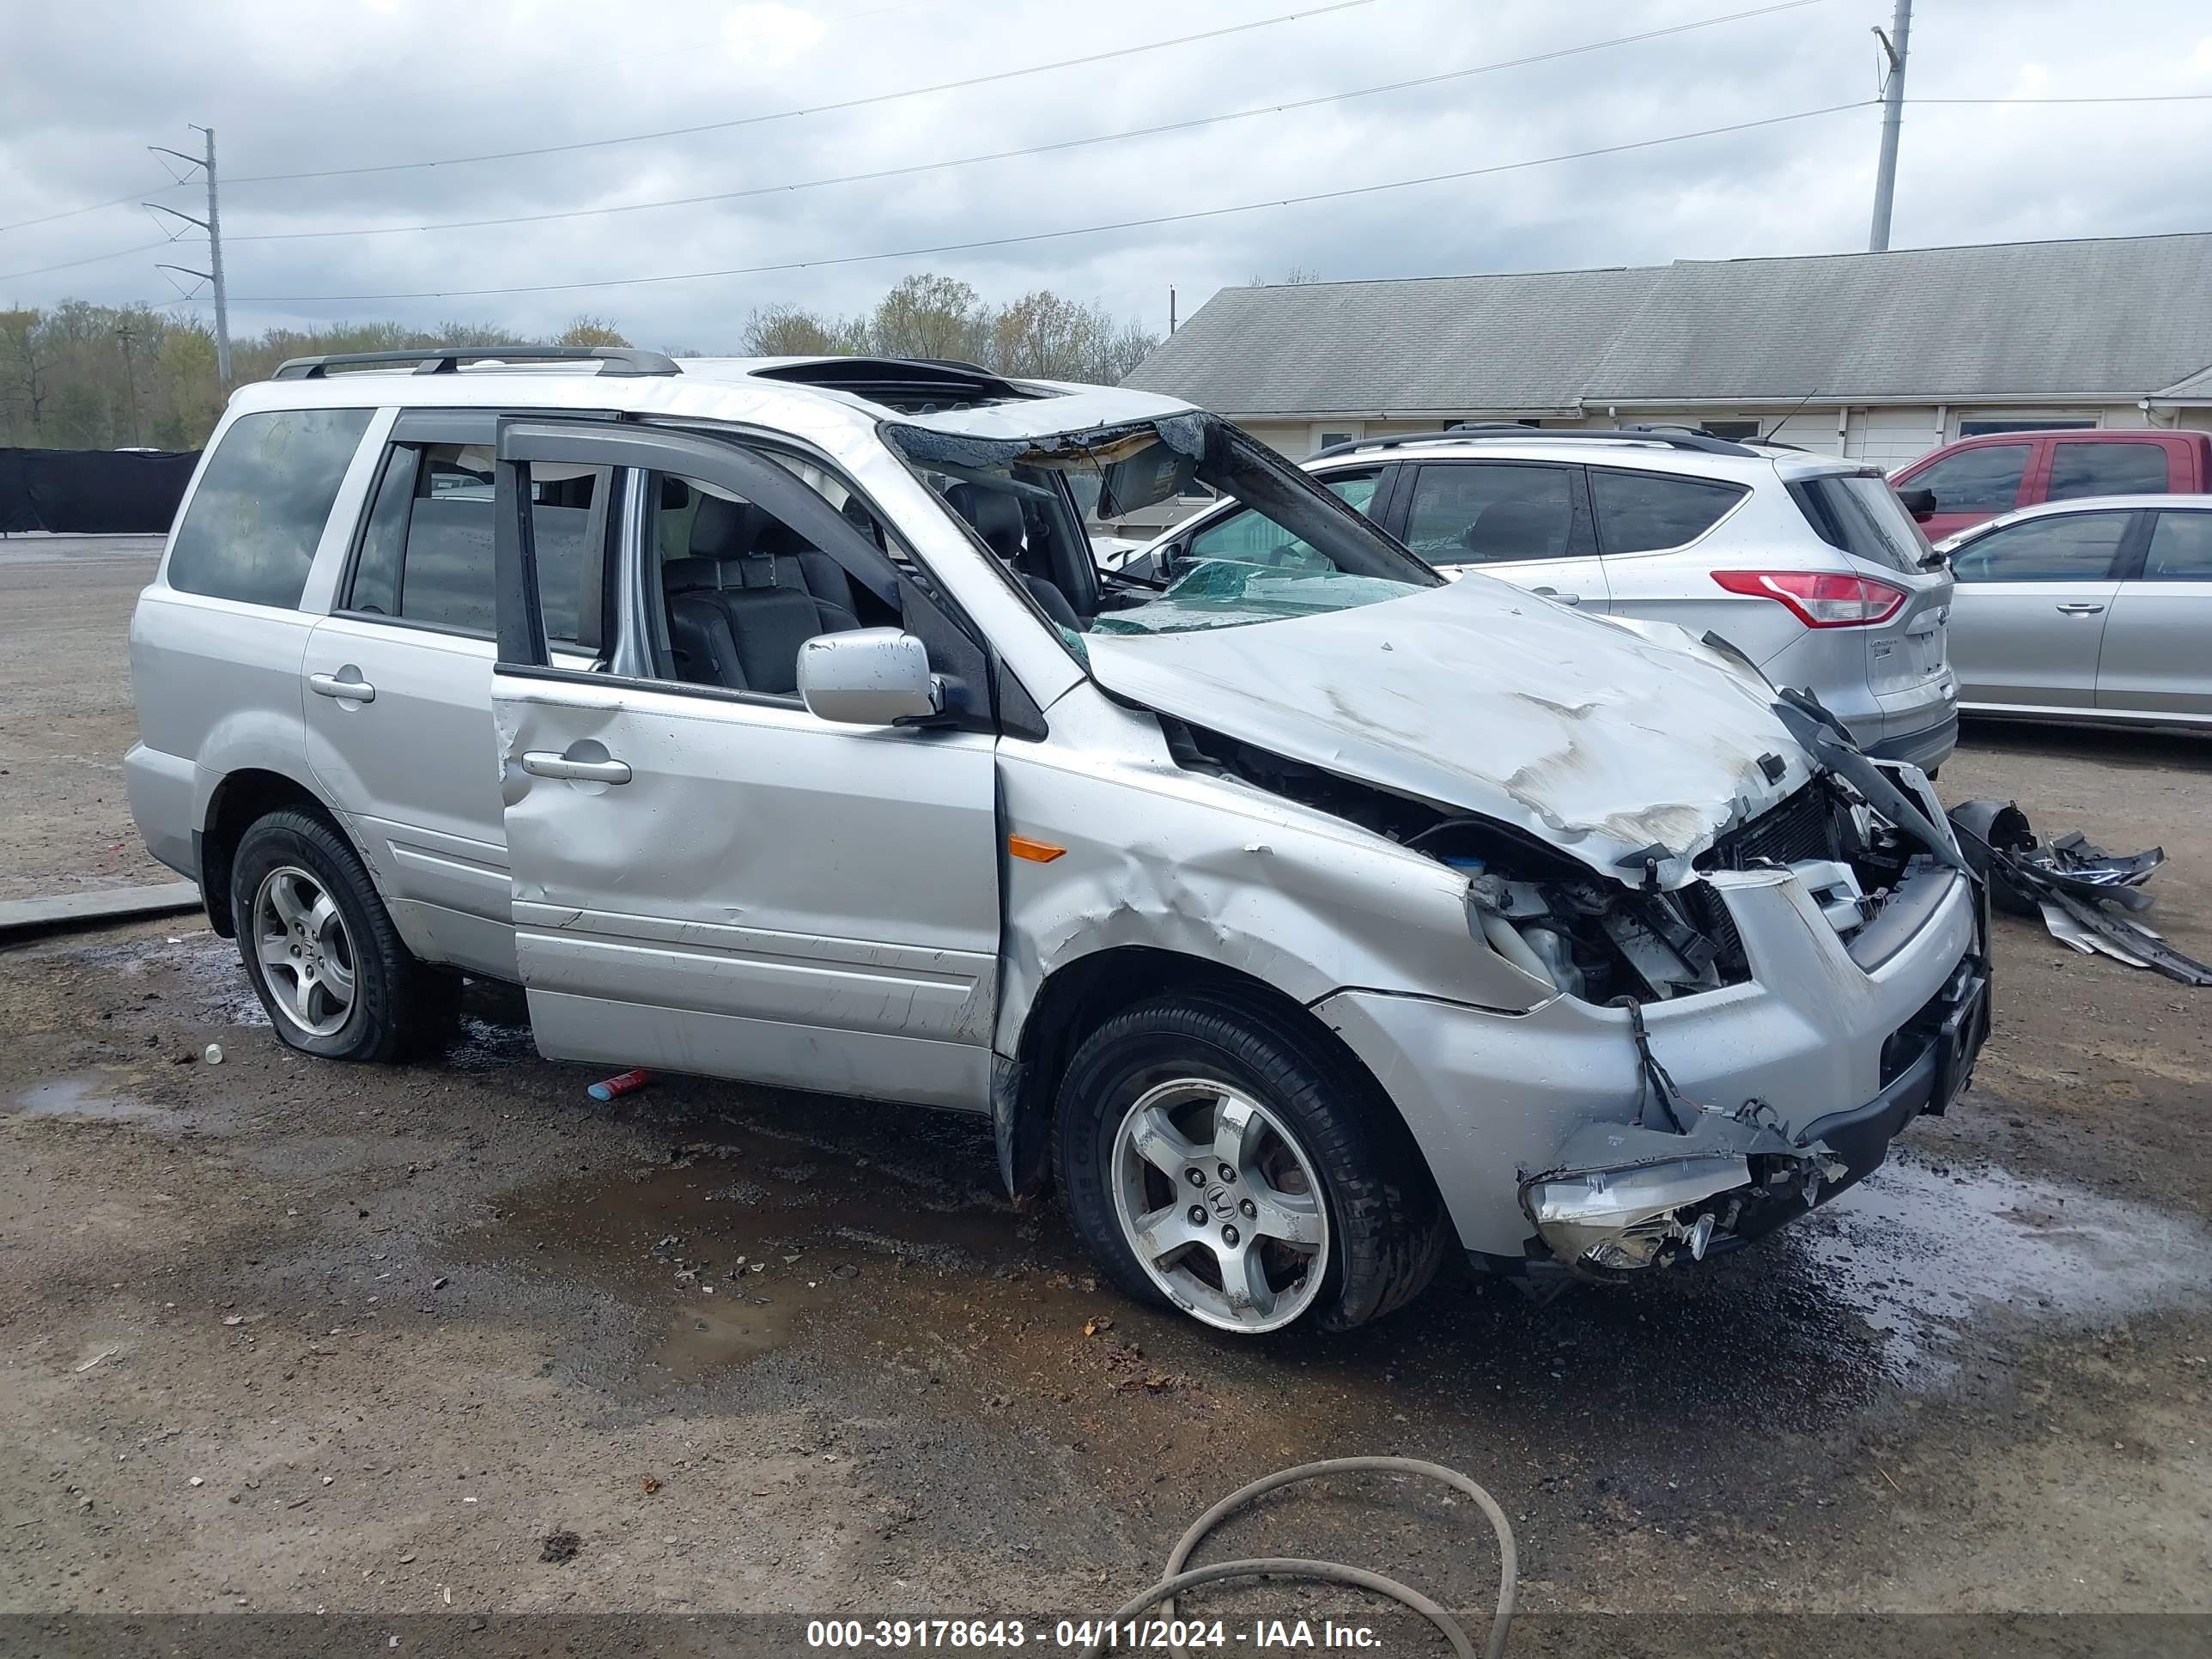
x=1127 y=1635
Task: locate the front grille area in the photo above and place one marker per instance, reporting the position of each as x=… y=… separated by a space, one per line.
x=1803 y=827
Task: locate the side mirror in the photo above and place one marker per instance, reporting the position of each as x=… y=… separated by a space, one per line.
x=868 y=677
x=1920 y=503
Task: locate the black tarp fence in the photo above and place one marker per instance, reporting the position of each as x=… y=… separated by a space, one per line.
x=92 y=492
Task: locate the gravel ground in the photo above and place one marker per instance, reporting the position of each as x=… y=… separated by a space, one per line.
x=285 y=1336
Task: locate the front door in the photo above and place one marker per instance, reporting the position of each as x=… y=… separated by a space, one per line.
x=2027 y=614
x=2155 y=660
x=708 y=878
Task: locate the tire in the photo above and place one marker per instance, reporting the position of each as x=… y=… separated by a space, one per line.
x=320 y=951
x=1316 y=1128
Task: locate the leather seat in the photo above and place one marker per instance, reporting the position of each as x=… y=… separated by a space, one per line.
x=739 y=612
x=996 y=517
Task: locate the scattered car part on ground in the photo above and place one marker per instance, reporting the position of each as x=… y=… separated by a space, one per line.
x=1300 y=914
x=1181 y=1576
x=2069 y=884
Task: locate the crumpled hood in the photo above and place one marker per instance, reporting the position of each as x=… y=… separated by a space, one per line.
x=1602 y=737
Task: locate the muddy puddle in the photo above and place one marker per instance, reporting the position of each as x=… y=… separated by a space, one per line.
x=1923 y=1250
x=209 y=981
x=751 y=1235
x=88 y=1097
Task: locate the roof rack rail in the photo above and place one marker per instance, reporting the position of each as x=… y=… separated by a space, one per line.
x=447 y=360
x=1673 y=437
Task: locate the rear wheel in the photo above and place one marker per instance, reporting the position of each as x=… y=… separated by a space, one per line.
x=321 y=952
x=1214 y=1158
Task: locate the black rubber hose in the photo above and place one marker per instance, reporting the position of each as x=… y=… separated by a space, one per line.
x=1180 y=1578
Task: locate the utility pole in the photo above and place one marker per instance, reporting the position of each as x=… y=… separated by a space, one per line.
x=1171 y=314
x=213 y=226
x=124 y=334
x=1893 y=116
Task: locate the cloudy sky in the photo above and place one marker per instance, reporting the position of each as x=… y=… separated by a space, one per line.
x=357 y=91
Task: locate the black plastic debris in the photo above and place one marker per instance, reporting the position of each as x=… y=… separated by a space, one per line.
x=2073 y=884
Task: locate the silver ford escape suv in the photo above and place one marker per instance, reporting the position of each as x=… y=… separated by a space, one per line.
x=1297 y=914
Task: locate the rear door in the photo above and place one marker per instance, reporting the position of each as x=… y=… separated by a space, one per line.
x=713 y=880
x=2029 y=607
x=2157 y=655
x=398 y=675
x=2083 y=465
x=1971 y=485
x=1526 y=521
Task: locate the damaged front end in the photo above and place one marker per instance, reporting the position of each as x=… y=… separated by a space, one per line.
x=1685 y=1176
x=1818 y=978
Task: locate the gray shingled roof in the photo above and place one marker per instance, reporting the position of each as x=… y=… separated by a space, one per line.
x=2123 y=316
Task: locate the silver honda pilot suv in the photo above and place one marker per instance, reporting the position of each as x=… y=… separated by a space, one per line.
x=1297 y=914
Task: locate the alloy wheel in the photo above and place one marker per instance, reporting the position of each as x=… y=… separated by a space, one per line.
x=1220 y=1204
x=306 y=954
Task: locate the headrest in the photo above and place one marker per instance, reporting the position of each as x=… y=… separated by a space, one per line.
x=1529 y=529
x=772 y=536
x=720 y=530
x=996 y=516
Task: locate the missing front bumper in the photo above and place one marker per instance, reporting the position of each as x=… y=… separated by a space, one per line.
x=1651 y=1209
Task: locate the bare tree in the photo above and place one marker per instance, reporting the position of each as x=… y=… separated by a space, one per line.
x=588 y=330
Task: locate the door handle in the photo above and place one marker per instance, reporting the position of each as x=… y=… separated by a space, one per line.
x=545 y=763
x=2079 y=608
x=329 y=685
x=1554 y=593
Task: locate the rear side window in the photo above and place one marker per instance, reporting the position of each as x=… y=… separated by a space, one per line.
x=1862 y=517
x=251 y=530
x=2180 y=548
x=1643 y=512
x=2111 y=469
x=1983 y=480
x=1491 y=512
x=426 y=552
x=2075 y=547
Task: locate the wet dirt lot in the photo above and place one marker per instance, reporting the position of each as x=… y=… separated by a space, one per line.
x=284 y=1335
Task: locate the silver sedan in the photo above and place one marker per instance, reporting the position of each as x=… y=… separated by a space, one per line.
x=2097 y=610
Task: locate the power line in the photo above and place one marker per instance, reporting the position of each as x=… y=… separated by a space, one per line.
x=871 y=101
x=1052 y=235
x=1031 y=149
x=72 y=213
x=2126 y=98
x=72 y=265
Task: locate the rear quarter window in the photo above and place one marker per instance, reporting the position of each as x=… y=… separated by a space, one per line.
x=251 y=530
x=1645 y=511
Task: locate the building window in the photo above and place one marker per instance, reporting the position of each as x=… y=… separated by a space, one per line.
x=1739 y=431
x=1978 y=429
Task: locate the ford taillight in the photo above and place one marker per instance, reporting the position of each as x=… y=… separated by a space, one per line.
x=1820 y=599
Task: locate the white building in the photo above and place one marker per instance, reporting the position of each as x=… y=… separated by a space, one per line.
x=1880 y=356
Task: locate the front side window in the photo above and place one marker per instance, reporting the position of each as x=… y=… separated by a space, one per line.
x=740 y=589
x=2180 y=548
x=1982 y=480
x=1489 y=512
x=425 y=551
x=251 y=529
x=2079 y=547
x=1645 y=511
x=2079 y=468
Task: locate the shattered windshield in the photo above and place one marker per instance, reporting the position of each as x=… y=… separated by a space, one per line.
x=1287 y=546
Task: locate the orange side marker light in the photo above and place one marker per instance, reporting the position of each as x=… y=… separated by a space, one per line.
x=1036 y=851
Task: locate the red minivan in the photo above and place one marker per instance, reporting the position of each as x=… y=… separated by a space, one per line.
x=1978 y=478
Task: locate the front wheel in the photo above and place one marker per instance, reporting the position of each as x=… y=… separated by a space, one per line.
x=1213 y=1156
